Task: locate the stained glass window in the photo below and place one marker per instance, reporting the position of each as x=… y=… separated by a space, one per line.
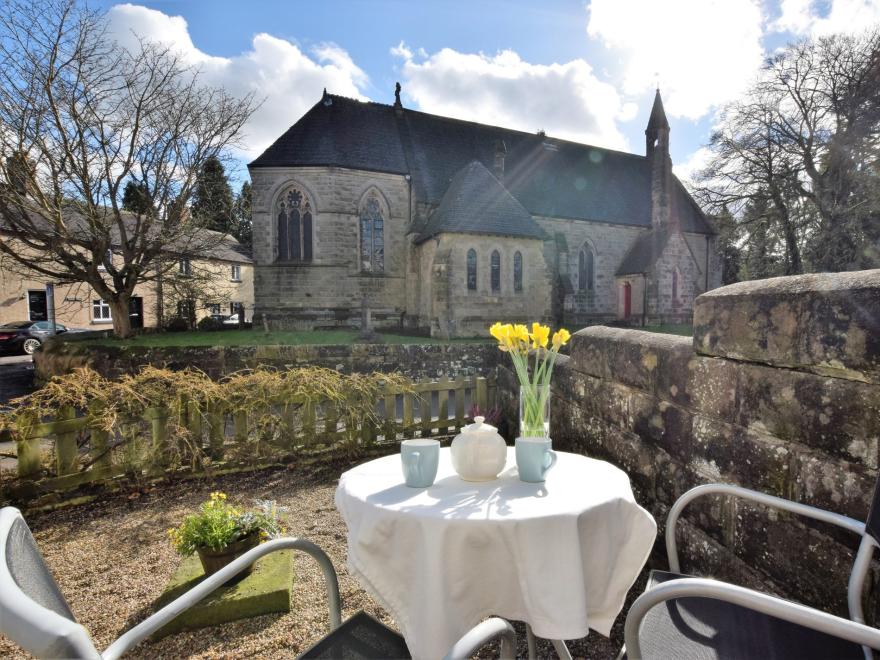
x=372 y=236
x=294 y=227
x=517 y=271
x=472 y=270
x=585 y=269
x=495 y=271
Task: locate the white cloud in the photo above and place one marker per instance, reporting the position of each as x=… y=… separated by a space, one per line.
x=287 y=80
x=802 y=17
x=693 y=164
x=566 y=100
x=703 y=52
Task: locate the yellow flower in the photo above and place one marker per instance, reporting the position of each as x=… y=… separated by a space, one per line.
x=502 y=333
x=560 y=338
x=521 y=333
x=540 y=334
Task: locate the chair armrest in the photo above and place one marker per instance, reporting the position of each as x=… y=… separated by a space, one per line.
x=481 y=634
x=851 y=631
x=218 y=579
x=762 y=498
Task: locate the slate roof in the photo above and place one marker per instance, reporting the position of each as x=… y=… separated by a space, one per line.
x=549 y=177
x=644 y=252
x=477 y=203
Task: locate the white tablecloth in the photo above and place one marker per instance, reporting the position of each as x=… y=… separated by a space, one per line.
x=560 y=555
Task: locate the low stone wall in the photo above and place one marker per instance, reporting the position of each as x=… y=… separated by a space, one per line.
x=417 y=361
x=778 y=391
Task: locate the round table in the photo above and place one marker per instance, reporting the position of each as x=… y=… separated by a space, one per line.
x=560 y=555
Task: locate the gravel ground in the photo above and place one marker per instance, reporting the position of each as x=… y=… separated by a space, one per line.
x=112 y=559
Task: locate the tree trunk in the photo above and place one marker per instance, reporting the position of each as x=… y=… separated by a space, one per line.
x=121 y=320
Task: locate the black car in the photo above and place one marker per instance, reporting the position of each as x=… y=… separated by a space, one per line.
x=25 y=336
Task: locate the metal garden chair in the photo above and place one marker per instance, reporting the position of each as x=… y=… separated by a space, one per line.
x=686 y=617
x=34 y=614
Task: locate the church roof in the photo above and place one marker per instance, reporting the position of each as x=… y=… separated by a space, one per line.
x=477 y=203
x=644 y=252
x=549 y=177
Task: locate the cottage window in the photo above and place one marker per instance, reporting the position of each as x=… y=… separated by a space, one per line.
x=586 y=270
x=472 y=270
x=495 y=271
x=517 y=271
x=372 y=236
x=184 y=267
x=294 y=215
x=236 y=273
x=101 y=311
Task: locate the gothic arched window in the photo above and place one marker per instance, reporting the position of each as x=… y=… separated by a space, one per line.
x=495 y=271
x=675 y=285
x=372 y=236
x=517 y=271
x=586 y=270
x=294 y=215
x=472 y=270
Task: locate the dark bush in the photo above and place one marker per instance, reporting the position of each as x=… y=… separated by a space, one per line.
x=176 y=324
x=209 y=323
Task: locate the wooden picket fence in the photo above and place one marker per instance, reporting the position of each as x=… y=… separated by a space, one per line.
x=65 y=453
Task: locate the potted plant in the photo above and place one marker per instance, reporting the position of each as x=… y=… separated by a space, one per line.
x=534 y=386
x=221 y=532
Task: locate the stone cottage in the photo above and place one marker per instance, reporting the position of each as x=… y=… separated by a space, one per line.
x=447 y=225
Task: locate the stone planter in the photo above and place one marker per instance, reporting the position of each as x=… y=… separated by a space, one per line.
x=214 y=560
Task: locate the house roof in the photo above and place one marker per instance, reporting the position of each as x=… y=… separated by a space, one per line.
x=202 y=243
x=477 y=203
x=547 y=176
x=644 y=252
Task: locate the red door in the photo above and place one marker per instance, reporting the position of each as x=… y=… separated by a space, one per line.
x=627 y=300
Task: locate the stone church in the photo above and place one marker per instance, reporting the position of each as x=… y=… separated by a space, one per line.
x=442 y=225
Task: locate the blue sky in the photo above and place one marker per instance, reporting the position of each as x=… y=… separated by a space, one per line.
x=579 y=70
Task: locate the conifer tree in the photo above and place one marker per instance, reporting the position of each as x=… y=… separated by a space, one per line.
x=212 y=198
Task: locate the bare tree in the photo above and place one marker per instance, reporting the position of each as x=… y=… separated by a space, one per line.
x=804 y=141
x=80 y=118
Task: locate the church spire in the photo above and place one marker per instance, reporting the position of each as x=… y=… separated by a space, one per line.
x=658 y=126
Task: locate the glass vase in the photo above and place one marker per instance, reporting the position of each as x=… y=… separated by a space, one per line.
x=534 y=411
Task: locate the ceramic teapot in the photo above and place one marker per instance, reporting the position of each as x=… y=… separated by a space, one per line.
x=478 y=452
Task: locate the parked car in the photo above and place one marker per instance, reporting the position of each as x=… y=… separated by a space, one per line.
x=231 y=320
x=26 y=336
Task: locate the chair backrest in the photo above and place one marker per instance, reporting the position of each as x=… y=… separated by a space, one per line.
x=33 y=613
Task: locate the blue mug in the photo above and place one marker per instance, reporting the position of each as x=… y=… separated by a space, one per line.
x=419 y=459
x=534 y=458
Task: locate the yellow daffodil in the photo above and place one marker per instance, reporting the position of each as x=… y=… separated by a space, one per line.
x=540 y=335
x=560 y=338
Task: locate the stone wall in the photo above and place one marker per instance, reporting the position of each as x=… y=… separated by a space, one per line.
x=417 y=361
x=778 y=391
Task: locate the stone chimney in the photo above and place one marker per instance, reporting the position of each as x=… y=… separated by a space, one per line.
x=500 y=155
x=662 y=181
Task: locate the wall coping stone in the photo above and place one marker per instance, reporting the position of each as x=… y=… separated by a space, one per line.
x=825 y=323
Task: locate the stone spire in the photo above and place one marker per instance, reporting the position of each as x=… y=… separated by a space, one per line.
x=658 y=126
x=657 y=151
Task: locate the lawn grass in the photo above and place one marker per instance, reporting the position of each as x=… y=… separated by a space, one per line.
x=275 y=338
x=684 y=329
